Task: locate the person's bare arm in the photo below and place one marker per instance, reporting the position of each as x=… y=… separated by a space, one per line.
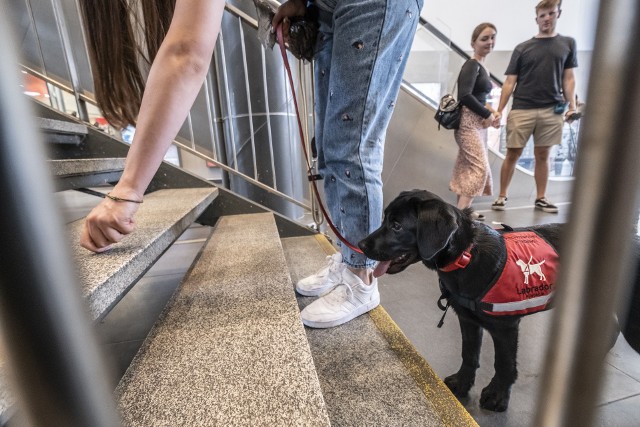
x=507 y=89
x=175 y=78
x=569 y=89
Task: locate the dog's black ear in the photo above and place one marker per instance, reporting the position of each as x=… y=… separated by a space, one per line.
x=436 y=225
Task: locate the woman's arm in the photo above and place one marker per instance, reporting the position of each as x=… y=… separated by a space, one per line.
x=175 y=78
x=466 y=83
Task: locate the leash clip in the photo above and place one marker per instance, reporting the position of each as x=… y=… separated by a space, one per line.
x=314 y=177
x=444 y=308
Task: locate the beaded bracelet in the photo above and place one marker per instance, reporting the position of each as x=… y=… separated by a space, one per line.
x=119 y=199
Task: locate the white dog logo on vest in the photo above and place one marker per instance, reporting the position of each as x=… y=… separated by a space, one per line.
x=528 y=269
x=508 y=295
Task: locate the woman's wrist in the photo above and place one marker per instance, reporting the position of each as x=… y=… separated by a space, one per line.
x=121 y=191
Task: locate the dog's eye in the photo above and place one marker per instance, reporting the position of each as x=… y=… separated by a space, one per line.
x=396 y=226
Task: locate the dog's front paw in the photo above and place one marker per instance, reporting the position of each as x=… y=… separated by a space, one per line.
x=495 y=397
x=459 y=384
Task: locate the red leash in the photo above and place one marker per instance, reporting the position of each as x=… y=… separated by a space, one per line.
x=304 y=150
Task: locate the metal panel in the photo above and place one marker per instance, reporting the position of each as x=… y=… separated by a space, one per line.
x=22 y=18
x=258 y=114
x=201 y=123
x=75 y=31
x=52 y=47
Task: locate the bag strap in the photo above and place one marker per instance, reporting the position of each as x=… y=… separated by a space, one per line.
x=456 y=84
x=458 y=78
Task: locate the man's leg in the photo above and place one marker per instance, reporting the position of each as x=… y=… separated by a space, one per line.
x=541 y=171
x=508 y=168
x=548 y=132
x=520 y=125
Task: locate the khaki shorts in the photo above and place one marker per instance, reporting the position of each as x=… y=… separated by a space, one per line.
x=543 y=123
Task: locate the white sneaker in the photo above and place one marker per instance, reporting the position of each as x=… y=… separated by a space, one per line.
x=324 y=280
x=348 y=300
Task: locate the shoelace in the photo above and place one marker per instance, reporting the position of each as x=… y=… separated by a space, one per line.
x=336 y=296
x=332 y=266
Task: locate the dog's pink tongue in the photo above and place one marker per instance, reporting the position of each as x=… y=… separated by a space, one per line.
x=381 y=268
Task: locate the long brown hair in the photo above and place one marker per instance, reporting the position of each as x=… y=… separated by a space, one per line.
x=123 y=36
x=480 y=28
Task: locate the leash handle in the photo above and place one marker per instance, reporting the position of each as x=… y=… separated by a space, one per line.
x=304 y=150
x=444 y=308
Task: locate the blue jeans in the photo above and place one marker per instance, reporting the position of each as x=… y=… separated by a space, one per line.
x=361 y=54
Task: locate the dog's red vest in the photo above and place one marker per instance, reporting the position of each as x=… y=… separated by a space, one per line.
x=528 y=279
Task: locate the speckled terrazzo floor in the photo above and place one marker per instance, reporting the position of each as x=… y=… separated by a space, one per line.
x=366 y=378
x=163 y=216
x=230 y=349
x=84 y=166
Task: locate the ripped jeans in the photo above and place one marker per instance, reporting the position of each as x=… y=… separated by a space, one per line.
x=361 y=55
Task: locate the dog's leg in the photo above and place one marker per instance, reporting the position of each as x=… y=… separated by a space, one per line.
x=460 y=383
x=495 y=396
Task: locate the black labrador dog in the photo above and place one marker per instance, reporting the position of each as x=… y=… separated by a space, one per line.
x=469 y=256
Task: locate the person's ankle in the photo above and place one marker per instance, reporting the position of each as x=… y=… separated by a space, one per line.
x=365 y=274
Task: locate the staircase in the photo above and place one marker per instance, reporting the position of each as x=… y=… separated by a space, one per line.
x=229 y=347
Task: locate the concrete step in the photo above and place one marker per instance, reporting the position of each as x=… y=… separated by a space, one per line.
x=106 y=277
x=369 y=372
x=62 y=132
x=230 y=348
x=163 y=216
x=81 y=173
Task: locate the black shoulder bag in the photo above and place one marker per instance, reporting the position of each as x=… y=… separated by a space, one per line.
x=449 y=110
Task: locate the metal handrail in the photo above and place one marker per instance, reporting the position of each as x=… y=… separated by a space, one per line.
x=53 y=352
x=245 y=177
x=182 y=146
x=457 y=49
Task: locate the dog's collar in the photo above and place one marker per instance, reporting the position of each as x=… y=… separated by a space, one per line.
x=461 y=262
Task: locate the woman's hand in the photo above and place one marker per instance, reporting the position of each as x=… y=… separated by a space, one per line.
x=286 y=10
x=108 y=223
x=488 y=121
x=497 y=119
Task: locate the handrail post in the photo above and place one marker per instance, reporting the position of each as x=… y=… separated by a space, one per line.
x=67 y=50
x=52 y=352
x=597 y=261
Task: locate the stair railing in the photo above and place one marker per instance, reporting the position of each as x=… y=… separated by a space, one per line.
x=57 y=365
